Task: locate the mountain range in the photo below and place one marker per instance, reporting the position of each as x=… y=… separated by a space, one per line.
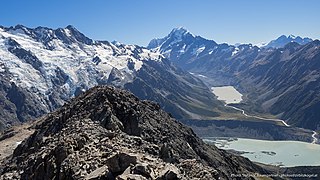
x=282 y=82
x=43 y=68
x=283 y=40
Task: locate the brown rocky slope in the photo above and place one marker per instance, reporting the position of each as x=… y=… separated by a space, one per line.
x=107 y=133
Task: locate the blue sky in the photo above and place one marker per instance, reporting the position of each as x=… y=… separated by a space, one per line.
x=138 y=21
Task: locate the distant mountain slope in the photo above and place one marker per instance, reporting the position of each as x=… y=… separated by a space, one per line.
x=286 y=83
x=108 y=133
x=42 y=68
x=283 y=40
x=282 y=81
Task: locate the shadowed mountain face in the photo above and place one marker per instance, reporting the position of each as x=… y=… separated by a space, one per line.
x=42 y=68
x=283 y=82
x=110 y=133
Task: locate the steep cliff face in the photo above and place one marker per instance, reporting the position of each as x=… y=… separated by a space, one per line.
x=17 y=104
x=107 y=133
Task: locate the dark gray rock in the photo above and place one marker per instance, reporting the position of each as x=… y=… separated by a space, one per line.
x=120 y=162
x=73 y=143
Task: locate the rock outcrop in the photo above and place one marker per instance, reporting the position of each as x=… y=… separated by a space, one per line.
x=107 y=133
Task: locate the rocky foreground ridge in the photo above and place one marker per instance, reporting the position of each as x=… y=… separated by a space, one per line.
x=107 y=133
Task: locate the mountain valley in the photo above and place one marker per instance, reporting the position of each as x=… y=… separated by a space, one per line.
x=76 y=108
x=276 y=82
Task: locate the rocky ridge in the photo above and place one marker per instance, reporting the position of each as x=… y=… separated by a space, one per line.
x=107 y=133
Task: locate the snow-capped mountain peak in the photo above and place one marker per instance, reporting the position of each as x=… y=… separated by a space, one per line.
x=179 y=32
x=32 y=56
x=180 y=41
x=71 y=27
x=176 y=35
x=284 y=40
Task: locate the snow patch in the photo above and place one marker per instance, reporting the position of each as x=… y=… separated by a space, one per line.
x=198 y=51
x=183 y=49
x=200 y=75
x=138 y=65
x=236 y=50
x=18 y=143
x=260 y=45
x=67 y=31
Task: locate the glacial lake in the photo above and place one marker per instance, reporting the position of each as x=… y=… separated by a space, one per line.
x=228 y=94
x=281 y=153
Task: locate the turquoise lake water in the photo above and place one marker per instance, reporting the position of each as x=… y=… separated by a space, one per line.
x=282 y=153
